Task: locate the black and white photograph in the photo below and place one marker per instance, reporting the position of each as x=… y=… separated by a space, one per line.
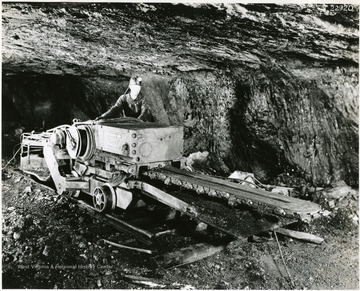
x=192 y=145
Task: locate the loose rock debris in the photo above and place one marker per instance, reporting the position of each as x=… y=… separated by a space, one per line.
x=77 y=257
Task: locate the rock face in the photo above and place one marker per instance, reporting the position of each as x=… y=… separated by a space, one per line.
x=266 y=89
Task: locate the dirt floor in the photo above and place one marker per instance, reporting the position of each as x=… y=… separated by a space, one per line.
x=49 y=243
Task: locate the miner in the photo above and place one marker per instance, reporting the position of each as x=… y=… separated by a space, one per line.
x=131 y=104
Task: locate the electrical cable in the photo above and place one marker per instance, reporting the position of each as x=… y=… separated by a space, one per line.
x=8 y=163
x=282 y=257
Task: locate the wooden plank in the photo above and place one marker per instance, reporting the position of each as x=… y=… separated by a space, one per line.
x=143 y=281
x=140 y=250
x=187 y=255
x=300 y=235
x=166 y=232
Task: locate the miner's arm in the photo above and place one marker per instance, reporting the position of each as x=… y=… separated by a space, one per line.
x=115 y=110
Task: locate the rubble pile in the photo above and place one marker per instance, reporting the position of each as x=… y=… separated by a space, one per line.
x=341 y=200
x=47 y=243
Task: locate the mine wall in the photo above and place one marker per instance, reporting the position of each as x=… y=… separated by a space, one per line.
x=255 y=123
x=264 y=116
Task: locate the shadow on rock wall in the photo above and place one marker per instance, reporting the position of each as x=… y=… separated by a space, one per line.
x=254 y=144
x=44 y=101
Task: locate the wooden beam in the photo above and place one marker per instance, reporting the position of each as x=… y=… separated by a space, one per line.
x=165 y=232
x=128 y=248
x=186 y=255
x=143 y=281
x=300 y=235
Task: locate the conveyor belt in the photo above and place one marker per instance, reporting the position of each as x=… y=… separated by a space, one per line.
x=257 y=198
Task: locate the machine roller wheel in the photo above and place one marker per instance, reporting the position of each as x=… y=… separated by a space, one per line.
x=103 y=199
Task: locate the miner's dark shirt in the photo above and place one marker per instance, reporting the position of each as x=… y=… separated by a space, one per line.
x=128 y=107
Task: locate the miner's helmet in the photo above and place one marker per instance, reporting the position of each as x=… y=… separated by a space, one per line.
x=135 y=86
x=135 y=81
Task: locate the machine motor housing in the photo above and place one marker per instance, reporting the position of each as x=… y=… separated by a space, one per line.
x=140 y=142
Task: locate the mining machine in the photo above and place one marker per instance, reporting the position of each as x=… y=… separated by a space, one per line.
x=119 y=163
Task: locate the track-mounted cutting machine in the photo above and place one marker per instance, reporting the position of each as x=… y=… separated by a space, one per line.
x=110 y=160
x=98 y=158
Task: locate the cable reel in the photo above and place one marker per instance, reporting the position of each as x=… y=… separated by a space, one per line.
x=88 y=142
x=80 y=142
x=73 y=141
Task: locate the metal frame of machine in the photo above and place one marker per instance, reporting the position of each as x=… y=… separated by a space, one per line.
x=98 y=158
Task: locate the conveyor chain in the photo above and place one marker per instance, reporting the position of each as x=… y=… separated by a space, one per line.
x=234 y=193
